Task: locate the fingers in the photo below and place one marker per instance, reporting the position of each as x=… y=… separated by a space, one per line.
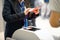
x=36 y=11
x=27 y=11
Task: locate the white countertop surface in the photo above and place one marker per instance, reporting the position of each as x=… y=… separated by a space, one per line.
x=46 y=32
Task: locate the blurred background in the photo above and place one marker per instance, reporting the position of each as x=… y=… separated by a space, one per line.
x=1 y=21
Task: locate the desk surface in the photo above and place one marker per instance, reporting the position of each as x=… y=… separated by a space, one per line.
x=46 y=32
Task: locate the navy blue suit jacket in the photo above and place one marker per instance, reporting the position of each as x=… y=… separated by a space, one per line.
x=13 y=16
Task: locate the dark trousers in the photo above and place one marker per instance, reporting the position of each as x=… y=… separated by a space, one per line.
x=9 y=33
x=11 y=28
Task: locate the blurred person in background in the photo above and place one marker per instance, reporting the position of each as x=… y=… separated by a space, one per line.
x=54 y=6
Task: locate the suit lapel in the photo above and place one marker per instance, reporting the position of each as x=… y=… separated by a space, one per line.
x=17 y=8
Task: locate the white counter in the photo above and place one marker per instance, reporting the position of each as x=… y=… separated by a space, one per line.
x=46 y=32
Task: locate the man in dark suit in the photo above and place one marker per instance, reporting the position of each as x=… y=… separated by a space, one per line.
x=13 y=16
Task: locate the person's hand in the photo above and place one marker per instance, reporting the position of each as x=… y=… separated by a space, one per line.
x=27 y=11
x=36 y=11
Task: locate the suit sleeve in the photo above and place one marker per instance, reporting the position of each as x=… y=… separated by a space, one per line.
x=8 y=14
